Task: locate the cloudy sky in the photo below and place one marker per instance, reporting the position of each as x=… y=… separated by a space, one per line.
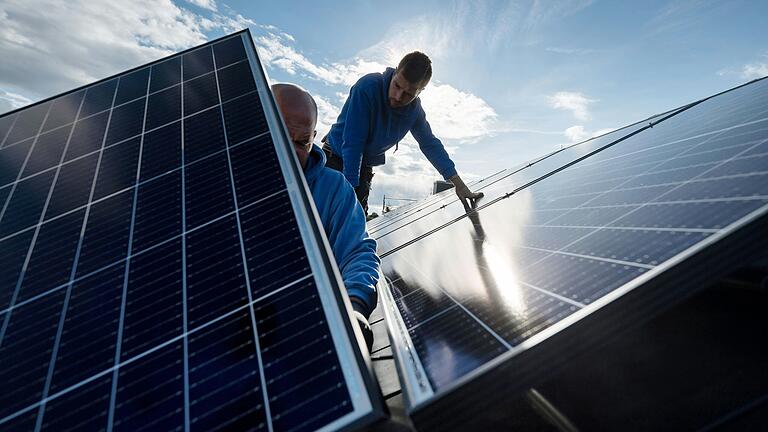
x=512 y=80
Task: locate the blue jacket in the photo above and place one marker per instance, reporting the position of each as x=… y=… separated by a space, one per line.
x=367 y=127
x=344 y=223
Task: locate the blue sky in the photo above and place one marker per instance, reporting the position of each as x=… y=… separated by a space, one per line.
x=512 y=80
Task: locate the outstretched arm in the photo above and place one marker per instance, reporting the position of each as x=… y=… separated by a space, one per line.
x=434 y=150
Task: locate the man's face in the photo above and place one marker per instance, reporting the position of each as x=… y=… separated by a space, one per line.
x=300 y=116
x=302 y=134
x=402 y=92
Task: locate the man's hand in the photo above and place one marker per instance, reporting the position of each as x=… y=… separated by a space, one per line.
x=362 y=322
x=467 y=197
x=365 y=328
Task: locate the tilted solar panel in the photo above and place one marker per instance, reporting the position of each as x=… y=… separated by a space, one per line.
x=160 y=264
x=568 y=251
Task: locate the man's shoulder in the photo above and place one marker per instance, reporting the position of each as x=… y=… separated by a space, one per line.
x=369 y=82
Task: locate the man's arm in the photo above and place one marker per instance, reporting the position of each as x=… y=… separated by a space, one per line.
x=431 y=146
x=355 y=254
x=356 y=125
x=354 y=250
x=435 y=152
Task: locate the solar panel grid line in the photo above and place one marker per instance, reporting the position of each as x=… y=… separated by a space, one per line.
x=121 y=104
x=123 y=140
x=606 y=300
x=133 y=255
x=675 y=185
x=704 y=157
x=480 y=322
x=262 y=377
x=124 y=294
x=554 y=294
x=65 y=305
x=90 y=116
x=672 y=143
x=7 y=200
x=185 y=309
x=58 y=216
x=151 y=350
x=7 y=317
x=421 y=206
x=528 y=184
x=630 y=228
x=8 y=131
x=431 y=317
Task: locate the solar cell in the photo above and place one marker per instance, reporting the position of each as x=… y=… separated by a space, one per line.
x=160 y=264
x=568 y=250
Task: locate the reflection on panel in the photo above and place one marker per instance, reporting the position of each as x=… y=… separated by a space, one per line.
x=554 y=246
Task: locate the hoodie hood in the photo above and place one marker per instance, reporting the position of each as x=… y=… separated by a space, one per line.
x=315 y=164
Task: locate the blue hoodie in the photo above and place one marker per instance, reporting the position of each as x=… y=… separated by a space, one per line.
x=344 y=223
x=367 y=127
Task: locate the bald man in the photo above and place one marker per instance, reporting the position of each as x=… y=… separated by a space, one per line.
x=340 y=213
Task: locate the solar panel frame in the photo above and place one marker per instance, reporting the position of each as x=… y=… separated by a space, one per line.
x=355 y=366
x=507 y=376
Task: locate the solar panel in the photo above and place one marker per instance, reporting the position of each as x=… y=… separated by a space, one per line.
x=160 y=263
x=568 y=251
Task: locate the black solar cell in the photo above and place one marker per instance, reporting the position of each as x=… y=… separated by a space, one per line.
x=132 y=86
x=28 y=123
x=98 y=98
x=197 y=62
x=63 y=110
x=203 y=135
x=165 y=74
x=47 y=151
x=200 y=93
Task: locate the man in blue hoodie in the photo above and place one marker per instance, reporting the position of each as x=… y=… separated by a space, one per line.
x=342 y=218
x=380 y=110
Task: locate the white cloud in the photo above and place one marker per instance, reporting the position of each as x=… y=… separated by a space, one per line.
x=205 y=4
x=569 y=51
x=452 y=113
x=576 y=133
x=579 y=133
x=56 y=46
x=276 y=50
x=11 y=101
x=327 y=113
x=457 y=115
x=754 y=70
x=575 y=102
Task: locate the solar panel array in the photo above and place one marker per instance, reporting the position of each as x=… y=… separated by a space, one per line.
x=156 y=270
x=558 y=248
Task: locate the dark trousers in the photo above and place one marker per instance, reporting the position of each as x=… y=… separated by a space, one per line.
x=363 y=188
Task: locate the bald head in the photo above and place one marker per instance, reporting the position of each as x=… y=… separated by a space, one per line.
x=295 y=104
x=299 y=112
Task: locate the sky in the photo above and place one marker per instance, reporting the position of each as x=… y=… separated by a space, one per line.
x=511 y=80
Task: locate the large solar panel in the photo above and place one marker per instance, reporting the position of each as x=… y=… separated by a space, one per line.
x=569 y=250
x=161 y=267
